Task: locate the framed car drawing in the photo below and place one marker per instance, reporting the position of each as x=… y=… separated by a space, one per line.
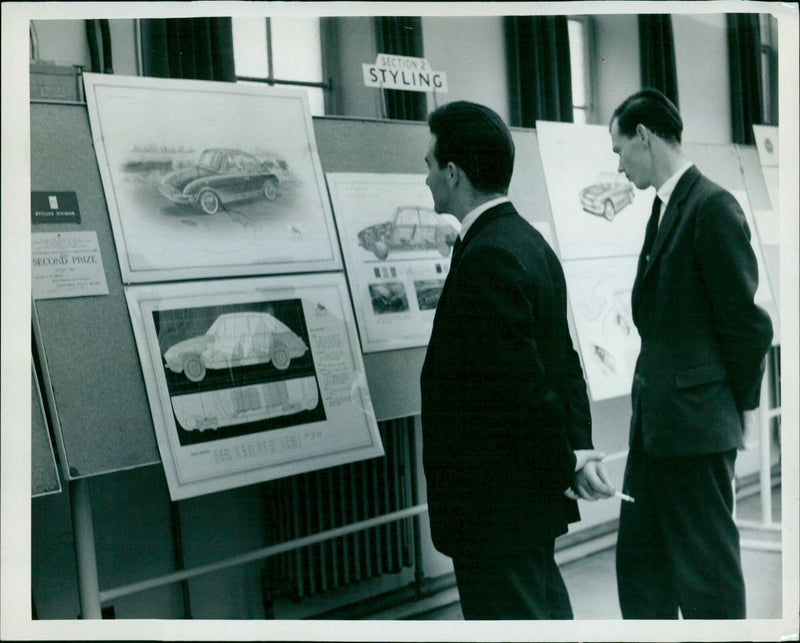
x=597 y=212
x=252 y=379
x=397 y=252
x=210 y=179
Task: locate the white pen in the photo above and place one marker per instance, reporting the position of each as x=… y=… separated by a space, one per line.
x=624 y=496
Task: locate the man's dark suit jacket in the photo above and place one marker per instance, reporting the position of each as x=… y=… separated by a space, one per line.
x=503 y=396
x=703 y=337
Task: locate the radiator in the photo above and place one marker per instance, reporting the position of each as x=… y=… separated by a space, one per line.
x=321 y=500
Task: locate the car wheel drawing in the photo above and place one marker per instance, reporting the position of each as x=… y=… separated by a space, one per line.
x=193 y=368
x=280 y=358
x=608 y=211
x=209 y=201
x=271 y=189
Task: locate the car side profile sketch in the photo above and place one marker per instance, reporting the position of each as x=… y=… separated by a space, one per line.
x=212 y=410
x=412 y=228
x=608 y=196
x=236 y=339
x=221 y=176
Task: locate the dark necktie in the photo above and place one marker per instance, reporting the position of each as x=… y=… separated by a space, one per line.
x=652 y=228
x=456 y=248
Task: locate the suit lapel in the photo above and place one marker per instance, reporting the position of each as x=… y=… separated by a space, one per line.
x=672 y=215
x=484 y=219
x=503 y=209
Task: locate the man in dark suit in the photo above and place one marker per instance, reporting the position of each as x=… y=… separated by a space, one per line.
x=699 y=369
x=505 y=416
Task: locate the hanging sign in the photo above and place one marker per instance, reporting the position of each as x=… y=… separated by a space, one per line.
x=404 y=72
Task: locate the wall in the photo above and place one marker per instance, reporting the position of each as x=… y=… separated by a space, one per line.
x=64 y=41
x=701 y=56
x=703 y=90
x=477 y=74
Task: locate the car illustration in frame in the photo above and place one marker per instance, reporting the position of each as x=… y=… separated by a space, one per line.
x=210 y=410
x=608 y=196
x=412 y=228
x=221 y=176
x=236 y=339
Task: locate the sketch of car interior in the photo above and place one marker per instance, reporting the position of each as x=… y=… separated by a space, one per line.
x=236 y=339
x=608 y=196
x=211 y=410
x=222 y=176
x=412 y=228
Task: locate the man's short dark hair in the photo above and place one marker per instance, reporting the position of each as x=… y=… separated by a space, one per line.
x=653 y=110
x=477 y=140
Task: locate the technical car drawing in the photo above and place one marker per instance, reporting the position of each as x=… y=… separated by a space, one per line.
x=412 y=228
x=221 y=176
x=211 y=410
x=236 y=339
x=608 y=196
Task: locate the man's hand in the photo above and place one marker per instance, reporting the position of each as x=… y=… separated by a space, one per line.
x=591 y=478
x=750 y=432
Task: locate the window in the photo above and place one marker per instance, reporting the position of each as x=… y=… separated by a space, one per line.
x=281 y=51
x=769 y=67
x=580 y=46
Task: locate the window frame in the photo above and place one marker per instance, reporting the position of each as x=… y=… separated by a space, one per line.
x=589 y=68
x=270 y=78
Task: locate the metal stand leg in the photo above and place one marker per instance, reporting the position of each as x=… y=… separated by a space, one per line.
x=83 y=532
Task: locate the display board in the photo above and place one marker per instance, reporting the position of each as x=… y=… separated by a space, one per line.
x=193 y=192
x=44 y=474
x=86 y=344
x=252 y=379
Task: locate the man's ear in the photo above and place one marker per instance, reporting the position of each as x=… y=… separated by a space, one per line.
x=642 y=133
x=453 y=173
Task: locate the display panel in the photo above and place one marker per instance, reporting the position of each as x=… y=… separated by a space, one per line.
x=597 y=212
x=397 y=252
x=600 y=298
x=252 y=379
x=209 y=179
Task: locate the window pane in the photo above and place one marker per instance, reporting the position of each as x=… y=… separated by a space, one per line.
x=250 y=47
x=296 y=50
x=577 y=61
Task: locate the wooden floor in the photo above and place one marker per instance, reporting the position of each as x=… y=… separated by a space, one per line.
x=583 y=577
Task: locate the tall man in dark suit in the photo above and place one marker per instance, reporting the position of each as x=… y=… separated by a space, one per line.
x=505 y=416
x=699 y=369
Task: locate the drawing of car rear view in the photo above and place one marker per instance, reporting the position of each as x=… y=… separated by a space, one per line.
x=608 y=196
x=222 y=176
x=412 y=228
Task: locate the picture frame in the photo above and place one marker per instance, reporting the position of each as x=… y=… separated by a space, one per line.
x=397 y=253
x=252 y=379
x=193 y=192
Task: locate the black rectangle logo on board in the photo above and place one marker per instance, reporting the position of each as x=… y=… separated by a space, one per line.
x=54 y=207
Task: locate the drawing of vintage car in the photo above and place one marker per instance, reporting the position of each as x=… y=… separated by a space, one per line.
x=221 y=176
x=608 y=196
x=211 y=410
x=236 y=339
x=412 y=228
